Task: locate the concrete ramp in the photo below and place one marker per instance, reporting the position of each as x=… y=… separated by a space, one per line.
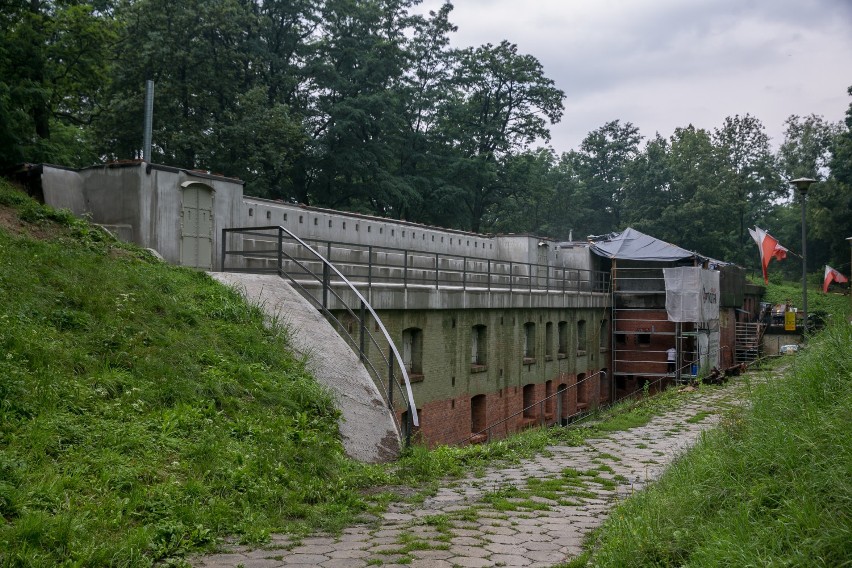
x=368 y=430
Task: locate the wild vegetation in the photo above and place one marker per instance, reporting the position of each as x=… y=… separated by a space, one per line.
x=365 y=106
x=770 y=487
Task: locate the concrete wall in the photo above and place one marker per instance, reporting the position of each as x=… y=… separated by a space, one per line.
x=338 y=226
x=449 y=379
x=142 y=202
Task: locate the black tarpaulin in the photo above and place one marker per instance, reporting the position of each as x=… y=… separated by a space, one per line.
x=634 y=245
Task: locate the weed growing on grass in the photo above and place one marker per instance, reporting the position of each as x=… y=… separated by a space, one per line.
x=698 y=417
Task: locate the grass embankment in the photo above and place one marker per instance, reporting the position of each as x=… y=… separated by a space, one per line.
x=835 y=302
x=771 y=487
x=145 y=409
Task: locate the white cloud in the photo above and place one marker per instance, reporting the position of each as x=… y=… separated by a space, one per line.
x=666 y=63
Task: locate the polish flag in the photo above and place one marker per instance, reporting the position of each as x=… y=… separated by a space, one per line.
x=832 y=275
x=769 y=249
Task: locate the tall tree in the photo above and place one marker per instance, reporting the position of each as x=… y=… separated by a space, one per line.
x=360 y=59
x=54 y=64
x=603 y=162
x=696 y=218
x=806 y=150
x=500 y=103
x=421 y=90
x=647 y=188
x=198 y=55
x=750 y=174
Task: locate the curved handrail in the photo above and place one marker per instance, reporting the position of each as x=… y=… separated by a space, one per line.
x=412 y=408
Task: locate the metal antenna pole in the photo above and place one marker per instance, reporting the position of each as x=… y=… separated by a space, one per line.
x=149 y=120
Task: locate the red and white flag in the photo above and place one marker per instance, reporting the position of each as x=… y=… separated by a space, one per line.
x=769 y=249
x=831 y=275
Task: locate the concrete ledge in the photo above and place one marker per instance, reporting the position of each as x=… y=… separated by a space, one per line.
x=416 y=297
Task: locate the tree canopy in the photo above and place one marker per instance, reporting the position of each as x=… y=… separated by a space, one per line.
x=364 y=105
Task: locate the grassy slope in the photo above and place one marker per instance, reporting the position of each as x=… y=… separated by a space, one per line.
x=145 y=409
x=771 y=487
x=836 y=302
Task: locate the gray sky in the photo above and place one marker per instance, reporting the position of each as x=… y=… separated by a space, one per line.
x=661 y=64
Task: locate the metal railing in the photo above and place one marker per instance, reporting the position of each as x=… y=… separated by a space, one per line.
x=582 y=414
x=377 y=265
x=359 y=313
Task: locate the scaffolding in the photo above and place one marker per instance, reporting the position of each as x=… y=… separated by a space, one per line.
x=641 y=331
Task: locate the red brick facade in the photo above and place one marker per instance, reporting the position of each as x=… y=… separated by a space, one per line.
x=450 y=421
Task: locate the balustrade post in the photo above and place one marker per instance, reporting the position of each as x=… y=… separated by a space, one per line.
x=326 y=276
x=489 y=274
x=464 y=273
x=390 y=377
x=405 y=269
x=362 y=339
x=224 y=248
x=511 y=276
x=280 y=252
x=436 y=271
x=370 y=271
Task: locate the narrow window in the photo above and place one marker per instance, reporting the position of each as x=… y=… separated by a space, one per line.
x=563 y=340
x=581 y=337
x=549 y=398
x=478 y=348
x=412 y=351
x=582 y=392
x=604 y=339
x=548 y=341
x=478 y=414
x=529 y=342
x=530 y=406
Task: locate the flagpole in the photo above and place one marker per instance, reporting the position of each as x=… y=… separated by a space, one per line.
x=802 y=184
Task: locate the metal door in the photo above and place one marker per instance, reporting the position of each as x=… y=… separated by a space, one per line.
x=196 y=227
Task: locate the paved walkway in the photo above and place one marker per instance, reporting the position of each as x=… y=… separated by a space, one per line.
x=534 y=513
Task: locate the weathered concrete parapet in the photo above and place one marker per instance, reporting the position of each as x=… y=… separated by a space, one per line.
x=413 y=297
x=368 y=429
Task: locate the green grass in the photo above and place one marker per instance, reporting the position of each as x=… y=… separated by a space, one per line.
x=632 y=413
x=146 y=410
x=834 y=303
x=772 y=486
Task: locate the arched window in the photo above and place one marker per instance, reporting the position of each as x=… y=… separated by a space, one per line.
x=548 y=341
x=478 y=347
x=412 y=350
x=562 y=350
x=478 y=414
x=529 y=342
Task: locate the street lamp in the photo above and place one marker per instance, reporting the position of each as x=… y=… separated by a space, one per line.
x=802 y=185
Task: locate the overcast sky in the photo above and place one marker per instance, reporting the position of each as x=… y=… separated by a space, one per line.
x=661 y=64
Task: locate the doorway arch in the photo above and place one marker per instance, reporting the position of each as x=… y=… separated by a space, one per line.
x=196 y=225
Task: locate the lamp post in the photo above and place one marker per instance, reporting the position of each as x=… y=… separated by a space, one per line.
x=802 y=185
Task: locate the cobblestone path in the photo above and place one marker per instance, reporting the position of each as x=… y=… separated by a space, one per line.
x=534 y=513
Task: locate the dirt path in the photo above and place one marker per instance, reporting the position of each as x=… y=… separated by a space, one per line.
x=534 y=513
